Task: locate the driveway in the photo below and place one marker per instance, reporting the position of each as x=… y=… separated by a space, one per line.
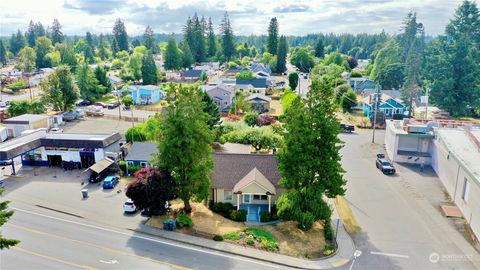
x=402 y=227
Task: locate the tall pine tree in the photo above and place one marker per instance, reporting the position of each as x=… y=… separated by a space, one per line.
x=30 y=35
x=149 y=69
x=120 y=35
x=272 y=39
x=56 y=32
x=149 y=40
x=211 y=40
x=17 y=42
x=319 y=48
x=3 y=53
x=171 y=56
x=282 y=55
x=228 y=44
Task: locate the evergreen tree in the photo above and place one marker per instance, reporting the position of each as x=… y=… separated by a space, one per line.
x=17 y=42
x=102 y=48
x=89 y=51
x=5 y=215
x=149 y=69
x=101 y=76
x=67 y=55
x=228 y=46
x=149 y=40
x=452 y=63
x=136 y=43
x=194 y=33
x=171 y=56
x=43 y=46
x=88 y=84
x=56 y=34
x=120 y=35
x=293 y=80
x=211 y=40
x=282 y=55
x=114 y=45
x=187 y=57
x=60 y=89
x=211 y=109
x=319 y=48
x=309 y=160
x=272 y=39
x=30 y=35
x=3 y=53
x=39 y=30
x=184 y=145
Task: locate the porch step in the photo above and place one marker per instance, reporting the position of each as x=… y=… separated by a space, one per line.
x=252 y=217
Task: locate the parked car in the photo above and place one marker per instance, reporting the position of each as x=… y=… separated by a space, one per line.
x=384 y=165
x=113 y=105
x=6 y=162
x=347 y=128
x=84 y=103
x=97 y=177
x=129 y=207
x=100 y=104
x=3 y=104
x=56 y=130
x=69 y=116
x=94 y=111
x=110 y=182
x=2 y=183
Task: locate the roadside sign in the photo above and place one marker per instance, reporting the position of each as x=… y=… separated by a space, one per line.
x=357 y=253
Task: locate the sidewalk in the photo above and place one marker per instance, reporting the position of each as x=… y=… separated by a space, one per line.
x=342 y=256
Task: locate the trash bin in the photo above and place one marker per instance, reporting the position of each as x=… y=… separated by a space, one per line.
x=172 y=225
x=85 y=193
x=165 y=224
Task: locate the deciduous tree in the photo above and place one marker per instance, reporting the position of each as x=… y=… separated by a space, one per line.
x=293 y=80
x=43 y=46
x=60 y=90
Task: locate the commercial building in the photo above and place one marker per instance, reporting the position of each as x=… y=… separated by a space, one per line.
x=40 y=148
x=16 y=125
x=452 y=148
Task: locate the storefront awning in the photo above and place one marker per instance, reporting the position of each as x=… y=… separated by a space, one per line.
x=101 y=165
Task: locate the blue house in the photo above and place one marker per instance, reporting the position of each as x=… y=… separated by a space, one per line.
x=140 y=154
x=388 y=106
x=145 y=94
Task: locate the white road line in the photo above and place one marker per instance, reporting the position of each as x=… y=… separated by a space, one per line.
x=237 y=257
x=389 y=254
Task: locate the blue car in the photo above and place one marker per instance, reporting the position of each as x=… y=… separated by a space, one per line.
x=110 y=182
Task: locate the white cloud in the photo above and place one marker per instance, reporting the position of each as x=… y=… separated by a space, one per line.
x=248 y=16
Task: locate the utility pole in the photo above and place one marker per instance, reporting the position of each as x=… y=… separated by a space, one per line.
x=376 y=101
x=119 y=104
x=426 y=107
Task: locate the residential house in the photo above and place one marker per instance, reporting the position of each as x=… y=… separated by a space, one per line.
x=225 y=81
x=395 y=94
x=361 y=84
x=191 y=74
x=390 y=107
x=259 y=84
x=261 y=70
x=140 y=154
x=259 y=102
x=248 y=181
x=145 y=94
x=16 y=125
x=114 y=80
x=222 y=95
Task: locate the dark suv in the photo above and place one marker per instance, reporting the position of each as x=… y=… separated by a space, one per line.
x=384 y=165
x=98 y=177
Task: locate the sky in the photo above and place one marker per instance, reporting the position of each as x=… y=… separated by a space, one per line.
x=296 y=17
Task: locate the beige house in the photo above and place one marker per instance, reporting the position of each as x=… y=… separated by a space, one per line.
x=248 y=181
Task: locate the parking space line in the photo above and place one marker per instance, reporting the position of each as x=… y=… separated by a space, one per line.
x=389 y=254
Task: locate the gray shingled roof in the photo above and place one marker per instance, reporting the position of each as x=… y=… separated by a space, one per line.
x=142 y=151
x=229 y=169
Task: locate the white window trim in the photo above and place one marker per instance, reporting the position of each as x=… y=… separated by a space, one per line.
x=225 y=196
x=249 y=198
x=466 y=190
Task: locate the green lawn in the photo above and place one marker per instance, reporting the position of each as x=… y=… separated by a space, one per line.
x=107 y=99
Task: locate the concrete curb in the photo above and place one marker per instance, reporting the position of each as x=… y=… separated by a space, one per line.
x=342 y=256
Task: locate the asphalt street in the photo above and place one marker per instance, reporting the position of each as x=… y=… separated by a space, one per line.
x=53 y=240
x=402 y=227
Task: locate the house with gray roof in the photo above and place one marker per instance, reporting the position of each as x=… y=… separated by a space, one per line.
x=258 y=83
x=140 y=154
x=248 y=181
x=259 y=102
x=222 y=95
x=191 y=74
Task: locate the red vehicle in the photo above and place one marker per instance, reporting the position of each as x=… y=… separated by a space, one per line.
x=100 y=104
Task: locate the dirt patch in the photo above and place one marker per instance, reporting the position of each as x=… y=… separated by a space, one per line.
x=295 y=242
x=346 y=214
x=276 y=108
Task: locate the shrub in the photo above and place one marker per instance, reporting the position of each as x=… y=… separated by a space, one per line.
x=250 y=241
x=238 y=215
x=133 y=169
x=305 y=221
x=232 y=118
x=123 y=166
x=226 y=208
x=18 y=85
x=328 y=231
x=355 y=74
x=184 y=221
x=233 y=236
x=329 y=249
x=117 y=64
x=217 y=238
x=265 y=120
x=250 y=119
x=211 y=203
x=259 y=234
x=264 y=216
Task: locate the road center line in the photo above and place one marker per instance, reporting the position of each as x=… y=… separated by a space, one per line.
x=52 y=258
x=237 y=257
x=389 y=254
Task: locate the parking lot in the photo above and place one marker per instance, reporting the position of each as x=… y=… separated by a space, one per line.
x=60 y=191
x=97 y=125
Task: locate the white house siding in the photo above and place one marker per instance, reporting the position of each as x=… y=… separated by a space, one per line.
x=453 y=176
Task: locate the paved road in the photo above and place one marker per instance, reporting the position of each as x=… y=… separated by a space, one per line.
x=399 y=217
x=25 y=95
x=303 y=83
x=56 y=241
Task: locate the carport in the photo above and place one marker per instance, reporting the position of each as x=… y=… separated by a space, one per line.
x=100 y=166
